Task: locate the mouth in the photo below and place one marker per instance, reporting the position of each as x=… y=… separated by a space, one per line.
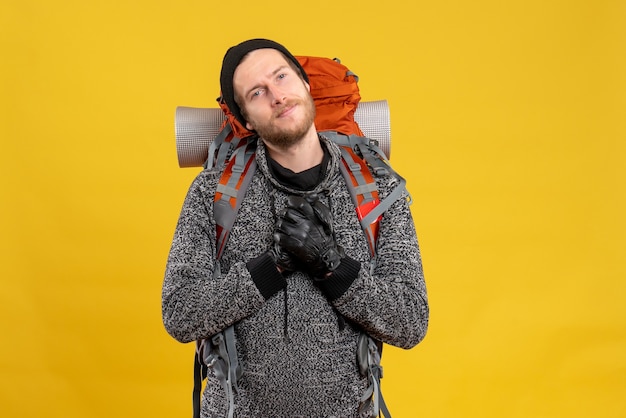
x=285 y=111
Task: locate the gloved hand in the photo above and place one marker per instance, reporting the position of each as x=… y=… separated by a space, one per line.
x=285 y=261
x=305 y=230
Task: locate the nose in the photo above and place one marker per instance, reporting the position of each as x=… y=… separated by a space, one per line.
x=278 y=95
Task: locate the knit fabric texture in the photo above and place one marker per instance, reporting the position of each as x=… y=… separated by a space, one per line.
x=298 y=358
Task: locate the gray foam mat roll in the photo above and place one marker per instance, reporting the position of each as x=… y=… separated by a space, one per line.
x=196 y=127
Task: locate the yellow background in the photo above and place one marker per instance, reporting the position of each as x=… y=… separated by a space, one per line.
x=508 y=121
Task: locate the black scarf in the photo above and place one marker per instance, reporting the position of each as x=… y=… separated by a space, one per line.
x=305 y=180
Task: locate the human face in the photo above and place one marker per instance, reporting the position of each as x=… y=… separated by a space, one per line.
x=274 y=99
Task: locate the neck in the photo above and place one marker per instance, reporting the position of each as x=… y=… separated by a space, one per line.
x=304 y=154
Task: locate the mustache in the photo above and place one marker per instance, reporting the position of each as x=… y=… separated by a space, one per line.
x=288 y=104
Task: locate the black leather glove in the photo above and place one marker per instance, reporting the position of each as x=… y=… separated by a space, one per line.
x=305 y=230
x=285 y=261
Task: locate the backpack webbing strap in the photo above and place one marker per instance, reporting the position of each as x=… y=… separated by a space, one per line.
x=234 y=369
x=368 y=355
x=235 y=180
x=220 y=144
x=363 y=192
x=378 y=164
x=219 y=352
x=225 y=364
x=395 y=194
x=369 y=149
x=199 y=374
x=357 y=172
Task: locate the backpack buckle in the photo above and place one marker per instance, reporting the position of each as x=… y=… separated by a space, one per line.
x=380 y=171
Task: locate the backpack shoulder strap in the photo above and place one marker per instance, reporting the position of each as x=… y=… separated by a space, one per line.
x=359 y=170
x=368 y=356
x=232 y=187
x=219 y=353
x=237 y=157
x=364 y=193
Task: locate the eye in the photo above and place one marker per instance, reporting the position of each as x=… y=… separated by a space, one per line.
x=256 y=93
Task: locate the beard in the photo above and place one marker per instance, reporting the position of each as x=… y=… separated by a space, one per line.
x=286 y=137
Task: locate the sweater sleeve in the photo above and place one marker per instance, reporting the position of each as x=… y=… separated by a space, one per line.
x=390 y=300
x=341 y=279
x=195 y=304
x=265 y=275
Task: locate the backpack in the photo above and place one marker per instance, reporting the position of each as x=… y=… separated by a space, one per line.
x=336 y=95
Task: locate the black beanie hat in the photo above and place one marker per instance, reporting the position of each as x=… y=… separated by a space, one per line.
x=233 y=57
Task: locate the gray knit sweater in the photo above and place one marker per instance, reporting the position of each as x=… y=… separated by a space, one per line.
x=296 y=338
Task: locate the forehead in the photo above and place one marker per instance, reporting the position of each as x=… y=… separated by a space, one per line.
x=256 y=65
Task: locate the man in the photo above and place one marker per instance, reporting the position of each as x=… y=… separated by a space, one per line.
x=296 y=278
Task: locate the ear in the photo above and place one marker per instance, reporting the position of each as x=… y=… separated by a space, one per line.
x=249 y=127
